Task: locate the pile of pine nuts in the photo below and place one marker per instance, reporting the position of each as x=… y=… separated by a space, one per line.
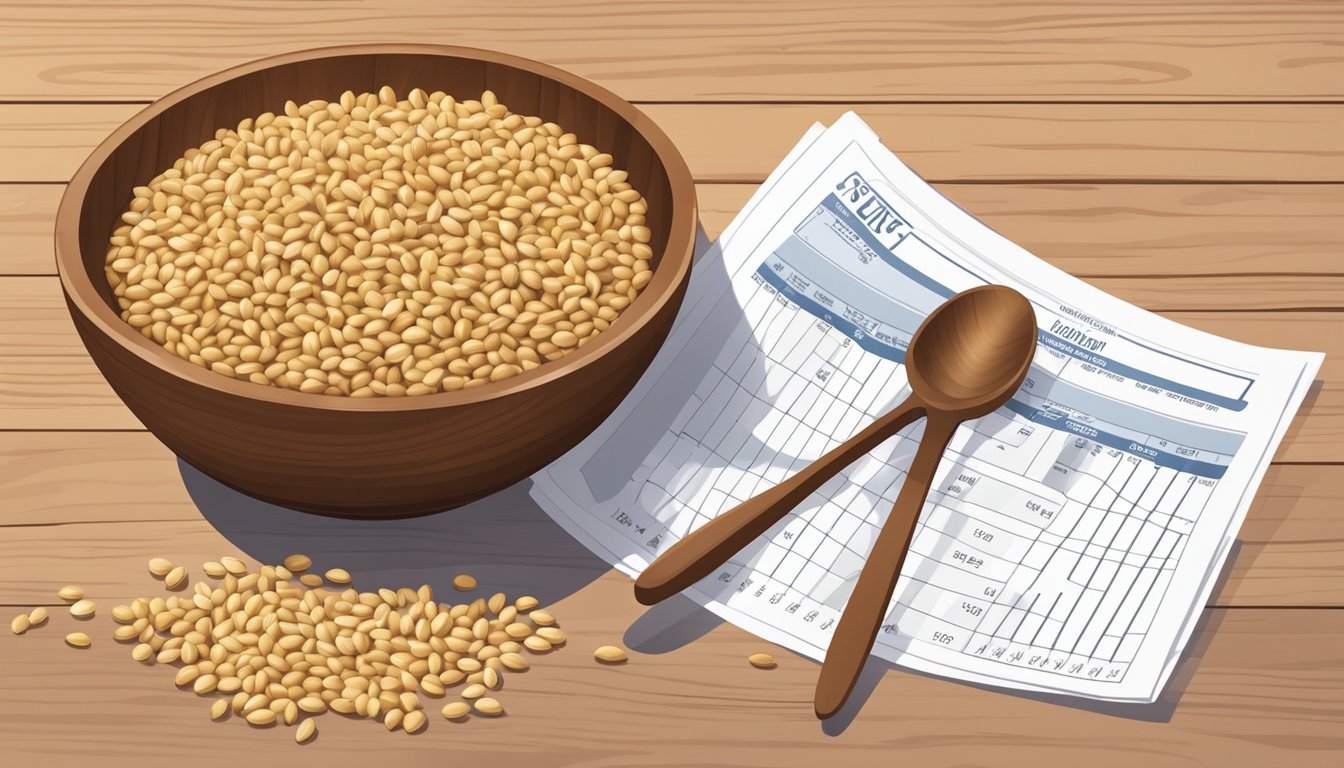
x=380 y=246
x=283 y=653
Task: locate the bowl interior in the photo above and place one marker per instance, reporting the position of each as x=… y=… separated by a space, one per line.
x=154 y=141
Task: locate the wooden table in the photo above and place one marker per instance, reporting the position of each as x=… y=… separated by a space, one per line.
x=1186 y=156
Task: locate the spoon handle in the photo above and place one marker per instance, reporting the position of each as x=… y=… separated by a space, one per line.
x=708 y=546
x=867 y=606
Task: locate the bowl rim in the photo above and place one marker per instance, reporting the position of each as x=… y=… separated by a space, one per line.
x=672 y=271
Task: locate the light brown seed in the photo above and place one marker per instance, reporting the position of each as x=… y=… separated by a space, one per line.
x=78 y=640
x=160 y=567
x=219 y=709
x=306 y=731
x=490 y=678
x=83 y=608
x=463 y=583
x=176 y=578
x=537 y=644
x=456 y=710
x=142 y=652
x=233 y=565
x=552 y=635
x=337 y=576
x=414 y=722
x=610 y=654
x=762 y=660
x=513 y=660
x=296 y=563
x=70 y=593
x=261 y=717
x=213 y=569
x=541 y=618
x=526 y=603
x=37 y=617
x=474 y=691
x=489 y=707
x=19 y=624
x=310 y=580
x=123 y=614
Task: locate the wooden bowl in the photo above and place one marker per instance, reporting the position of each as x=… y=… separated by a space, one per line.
x=382 y=456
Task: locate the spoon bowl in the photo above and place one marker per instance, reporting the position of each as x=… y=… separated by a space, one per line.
x=971 y=353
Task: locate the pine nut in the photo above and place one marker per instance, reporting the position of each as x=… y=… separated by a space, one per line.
x=70 y=593
x=19 y=624
x=456 y=710
x=298 y=563
x=78 y=640
x=762 y=660
x=489 y=707
x=610 y=654
x=160 y=567
x=37 y=617
x=83 y=608
x=463 y=583
x=306 y=731
x=337 y=576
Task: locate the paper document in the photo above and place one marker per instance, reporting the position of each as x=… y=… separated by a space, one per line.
x=1070 y=539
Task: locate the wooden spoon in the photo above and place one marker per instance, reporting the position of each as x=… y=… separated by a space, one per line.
x=967 y=358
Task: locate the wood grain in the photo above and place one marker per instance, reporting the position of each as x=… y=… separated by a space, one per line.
x=942 y=142
x=1209 y=244
x=47 y=380
x=103 y=494
x=788 y=50
x=1260 y=688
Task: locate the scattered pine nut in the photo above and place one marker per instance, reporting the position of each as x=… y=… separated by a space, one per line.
x=298 y=563
x=311 y=580
x=307 y=730
x=762 y=660
x=37 y=617
x=20 y=624
x=537 y=644
x=213 y=569
x=83 y=608
x=496 y=602
x=338 y=576
x=233 y=565
x=414 y=721
x=541 y=618
x=429 y=647
x=514 y=661
x=526 y=603
x=160 y=566
x=70 y=593
x=610 y=654
x=463 y=583
x=552 y=635
x=176 y=578
x=489 y=707
x=78 y=640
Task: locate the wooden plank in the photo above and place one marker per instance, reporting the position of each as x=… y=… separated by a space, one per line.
x=47 y=380
x=1117 y=235
x=103 y=494
x=943 y=142
x=1258 y=688
x=27 y=218
x=902 y=49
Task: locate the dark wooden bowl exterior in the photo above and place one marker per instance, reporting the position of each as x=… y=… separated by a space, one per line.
x=372 y=457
